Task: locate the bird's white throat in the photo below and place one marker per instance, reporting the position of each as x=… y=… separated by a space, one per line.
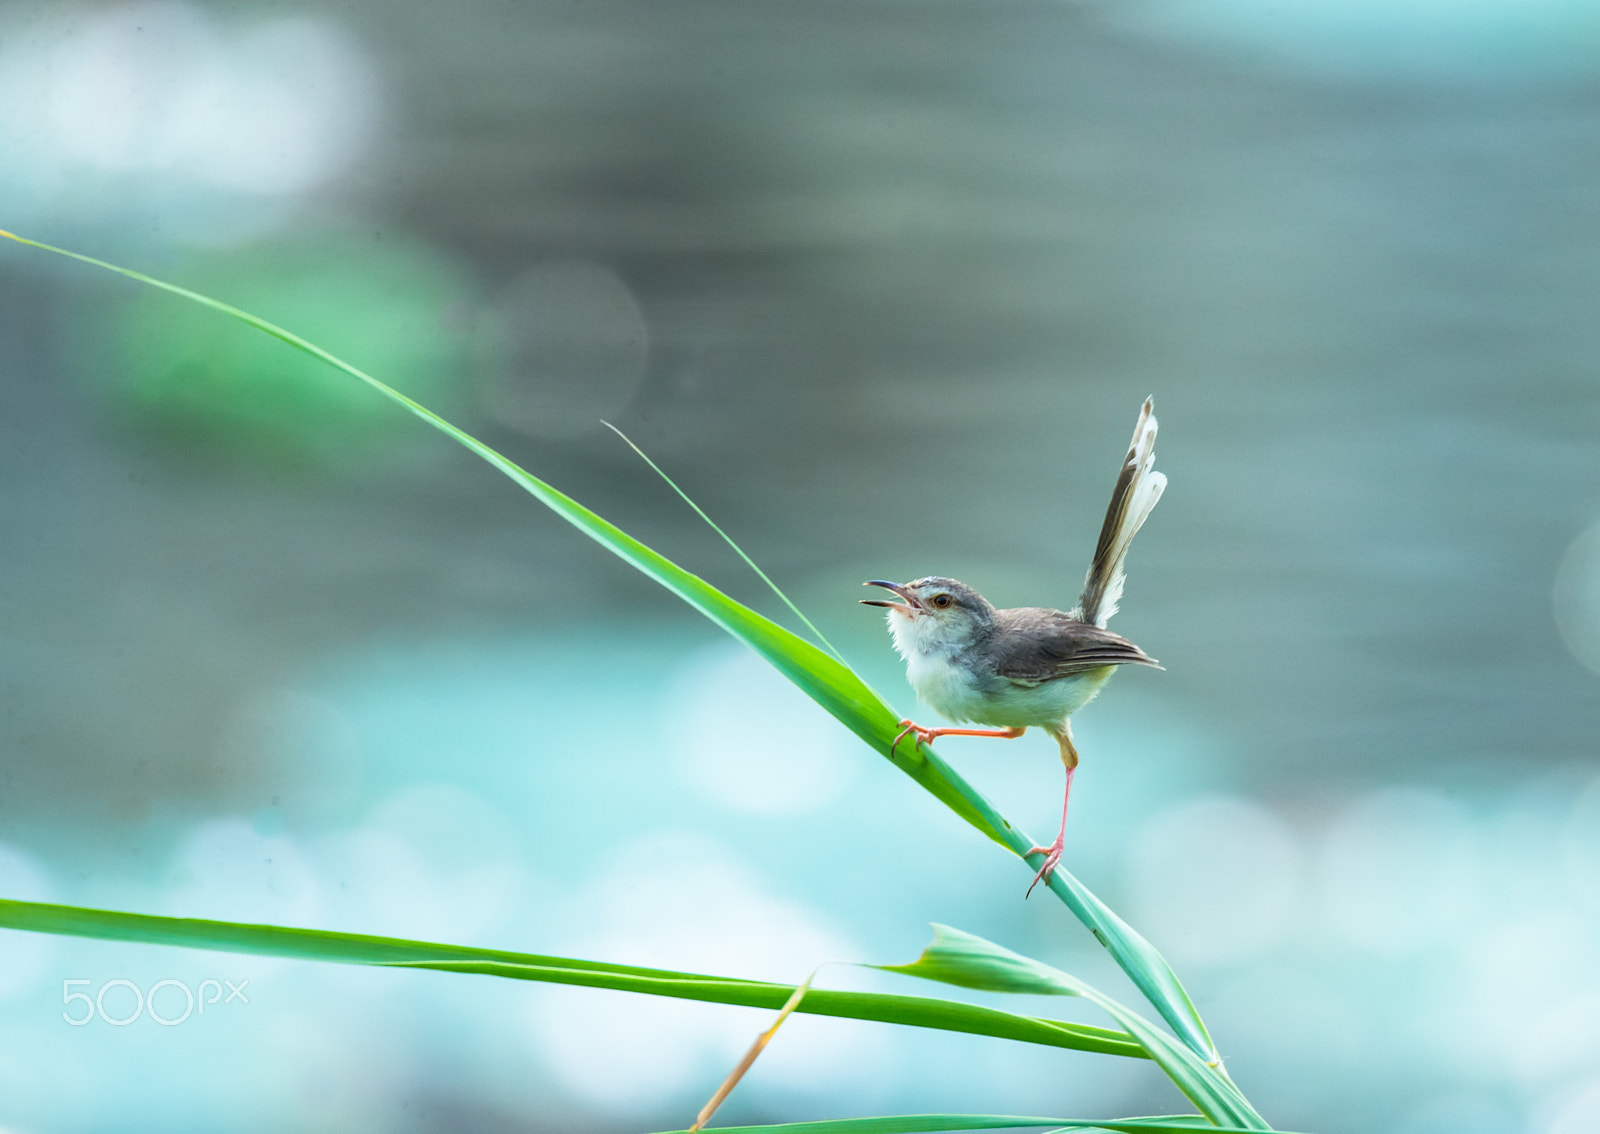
x=928 y=636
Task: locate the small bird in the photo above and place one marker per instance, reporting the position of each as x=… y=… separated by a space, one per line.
x=1027 y=666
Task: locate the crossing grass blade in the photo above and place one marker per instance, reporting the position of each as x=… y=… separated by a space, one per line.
x=727 y=539
x=394 y=952
x=933 y=1123
x=827 y=681
x=969 y=961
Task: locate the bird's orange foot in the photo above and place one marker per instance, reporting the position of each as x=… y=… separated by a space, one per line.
x=1052 y=856
x=924 y=735
x=929 y=735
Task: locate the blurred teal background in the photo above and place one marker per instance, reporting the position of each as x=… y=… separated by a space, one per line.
x=882 y=284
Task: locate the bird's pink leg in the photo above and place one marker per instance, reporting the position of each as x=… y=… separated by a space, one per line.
x=928 y=735
x=1052 y=853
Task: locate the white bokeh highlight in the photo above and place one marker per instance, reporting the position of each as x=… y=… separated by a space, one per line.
x=744 y=737
x=1215 y=880
x=1523 y=1000
x=167 y=106
x=434 y=861
x=1575 y=1110
x=225 y=870
x=1398 y=872
x=684 y=902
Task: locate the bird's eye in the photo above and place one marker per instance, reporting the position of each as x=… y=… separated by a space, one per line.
x=941 y=601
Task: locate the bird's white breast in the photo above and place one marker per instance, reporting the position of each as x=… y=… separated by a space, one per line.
x=957 y=696
x=946 y=686
x=956 y=693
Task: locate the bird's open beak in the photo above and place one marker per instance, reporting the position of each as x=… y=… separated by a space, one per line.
x=910 y=608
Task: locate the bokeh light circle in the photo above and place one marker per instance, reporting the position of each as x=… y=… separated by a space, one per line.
x=1398 y=871
x=1577 y=598
x=571 y=345
x=1216 y=879
x=745 y=737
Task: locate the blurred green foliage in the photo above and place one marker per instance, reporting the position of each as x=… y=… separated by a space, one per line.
x=398 y=308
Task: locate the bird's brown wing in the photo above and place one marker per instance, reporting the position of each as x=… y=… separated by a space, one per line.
x=1034 y=645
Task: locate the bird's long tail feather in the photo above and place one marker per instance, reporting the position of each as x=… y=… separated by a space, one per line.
x=1139 y=486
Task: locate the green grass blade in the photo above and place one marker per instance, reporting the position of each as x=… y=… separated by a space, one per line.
x=361 y=949
x=931 y=1123
x=827 y=681
x=969 y=961
x=727 y=539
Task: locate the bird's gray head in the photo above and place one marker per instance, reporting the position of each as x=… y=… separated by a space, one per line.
x=938 y=616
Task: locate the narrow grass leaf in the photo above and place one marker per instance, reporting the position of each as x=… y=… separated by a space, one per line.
x=394 y=952
x=727 y=539
x=963 y=959
x=827 y=681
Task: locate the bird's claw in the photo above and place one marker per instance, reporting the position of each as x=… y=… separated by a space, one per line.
x=924 y=735
x=1052 y=856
